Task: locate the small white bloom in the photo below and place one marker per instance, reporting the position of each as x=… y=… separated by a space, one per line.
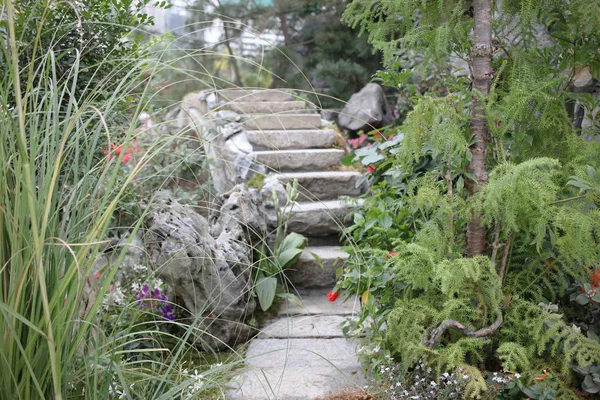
x=517 y=376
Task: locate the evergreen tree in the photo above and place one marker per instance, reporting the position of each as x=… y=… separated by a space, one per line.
x=473 y=265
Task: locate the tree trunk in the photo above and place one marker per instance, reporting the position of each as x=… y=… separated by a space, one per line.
x=481 y=59
x=285 y=29
x=232 y=59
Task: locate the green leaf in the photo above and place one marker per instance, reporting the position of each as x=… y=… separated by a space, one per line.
x=265 y=289
x=292 y=241
x=582 y=299
x=292 y=298
x=317 y=259
x=348 y=160
x=288 y=257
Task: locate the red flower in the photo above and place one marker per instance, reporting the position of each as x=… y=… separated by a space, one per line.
x=127 y=157
x=371 y=168
x=595 y=279
x=391 y=254
x=332 y=296
x=97 y=276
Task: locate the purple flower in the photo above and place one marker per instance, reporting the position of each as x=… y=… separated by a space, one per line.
x=167 y=312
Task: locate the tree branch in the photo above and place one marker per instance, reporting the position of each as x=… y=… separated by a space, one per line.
x=437 y=333
x=505 y=257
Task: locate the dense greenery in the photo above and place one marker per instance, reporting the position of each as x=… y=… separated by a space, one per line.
x=527 y=299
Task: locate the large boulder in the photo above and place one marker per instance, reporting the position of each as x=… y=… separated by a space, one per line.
x=208 y=265
x=366 y=110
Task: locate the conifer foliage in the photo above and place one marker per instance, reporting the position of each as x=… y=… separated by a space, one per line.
x=497 y=195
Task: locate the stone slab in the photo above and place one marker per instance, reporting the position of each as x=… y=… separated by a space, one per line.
x=297 y=369
x=299 y=160
x=315 y=302
x=248 y=95
x=268 y=107
x=324 y=185
x=317 y=218
x=307 y=272
x=305 y=326
x=291 y=139
x=281 y=121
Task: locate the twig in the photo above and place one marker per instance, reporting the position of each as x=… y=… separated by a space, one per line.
x=437 y=333
x=505 y=257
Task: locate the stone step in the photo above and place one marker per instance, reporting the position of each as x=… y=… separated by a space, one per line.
x=315 y=302
x=305 y=326
x=317 y=218
x=268 y=107
x=325 y=185
x=248 y=95
x=299 y=160
x=281 y=121
x=308 y=273
x=291 y=139
x=297 y=369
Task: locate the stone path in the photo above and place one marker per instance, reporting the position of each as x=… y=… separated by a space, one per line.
x=302 y=354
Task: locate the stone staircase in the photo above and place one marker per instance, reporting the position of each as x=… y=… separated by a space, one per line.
x=302 y=353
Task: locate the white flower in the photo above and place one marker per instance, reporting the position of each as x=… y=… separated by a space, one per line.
x=517 y=376
x=432 y=383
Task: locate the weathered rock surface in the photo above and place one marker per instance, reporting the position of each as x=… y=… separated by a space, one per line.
x=307 y=272
x=316 y=219
x=281 y=121
x=247 y=95
x=298 y=369
x=268 y=107
x=291 y=139
x=366 y=110
x=324 y=185
x=299 y=160
x=207 y=264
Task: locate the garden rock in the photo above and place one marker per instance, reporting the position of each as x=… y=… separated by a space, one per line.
x=366 y=110
x=207 y=265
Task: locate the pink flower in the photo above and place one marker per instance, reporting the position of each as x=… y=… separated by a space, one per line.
x=97 y=275
x=332 y=296
x=127 y=157
x=391 y=254
x=371 y=168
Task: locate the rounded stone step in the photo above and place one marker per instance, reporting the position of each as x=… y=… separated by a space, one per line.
x=281 y=121
x=317 y=218
x=299 y=160
x=308 y=273
x=291 y=139
x=315 y=302
x=297 y=369
x=325 y=185
x=268 y=107
x=247 y=95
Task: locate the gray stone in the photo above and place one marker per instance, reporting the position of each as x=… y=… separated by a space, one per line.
x=297 y=369
x=299 y=160
x=268 y=107
x=315 y=302
x=207 y=264
x=326 y=185
x=291 y=139
x=249 y=95
x=307 y=272
x=316 y=219
x=366 y=110
x=281 y=121
x=305 y=326
x=273 y=185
